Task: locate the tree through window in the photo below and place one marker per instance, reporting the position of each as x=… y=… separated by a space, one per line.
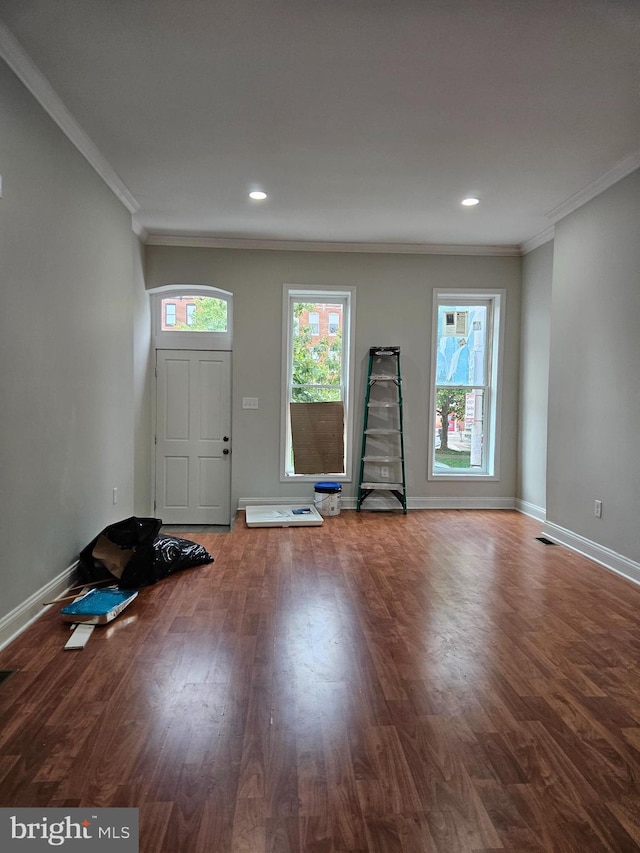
x=317 y=412
x=195 y=313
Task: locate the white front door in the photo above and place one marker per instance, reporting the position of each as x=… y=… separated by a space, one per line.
x=193 y=437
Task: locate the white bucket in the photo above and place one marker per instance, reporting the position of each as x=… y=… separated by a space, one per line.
x=327 y=499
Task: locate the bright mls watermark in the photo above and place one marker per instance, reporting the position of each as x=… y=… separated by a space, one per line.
x=80 y=830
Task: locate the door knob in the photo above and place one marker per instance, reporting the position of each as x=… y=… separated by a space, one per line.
x=226 y=451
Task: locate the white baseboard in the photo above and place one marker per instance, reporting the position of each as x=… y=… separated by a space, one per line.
x=461 y=503
x=526 y=508
x=611 y=560
x=347 y=502
x=25 y=614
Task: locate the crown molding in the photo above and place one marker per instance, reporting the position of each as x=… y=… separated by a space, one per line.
x=139 y=230
x=26 y=71
x=210 y=242
x=611 y=177
x=539 y=240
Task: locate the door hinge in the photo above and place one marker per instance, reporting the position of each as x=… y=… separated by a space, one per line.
x=155 y=439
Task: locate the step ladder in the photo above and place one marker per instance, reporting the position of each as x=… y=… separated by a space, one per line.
x=382 y=459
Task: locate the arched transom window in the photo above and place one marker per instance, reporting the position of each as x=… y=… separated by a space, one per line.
x=187 y=317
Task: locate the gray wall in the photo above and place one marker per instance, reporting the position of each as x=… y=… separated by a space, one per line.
x=537 y=271
x=143 y=366
x=594 y=403
x=394 y=304
x=66 y=349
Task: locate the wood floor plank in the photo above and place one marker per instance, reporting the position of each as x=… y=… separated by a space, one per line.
x=249 y=827
x=626 y=812
x=344 y=813
x=438 y=682
x=387 y=787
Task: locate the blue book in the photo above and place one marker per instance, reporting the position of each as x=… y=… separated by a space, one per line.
x=98 y=606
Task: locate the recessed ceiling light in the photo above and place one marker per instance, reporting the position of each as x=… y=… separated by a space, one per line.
x=257 y=195
x=471 y=201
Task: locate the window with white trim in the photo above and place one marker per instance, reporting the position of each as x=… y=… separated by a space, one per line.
x=465 y=386
x=317 y=397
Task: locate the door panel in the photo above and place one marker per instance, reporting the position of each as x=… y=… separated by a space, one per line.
x=176 y=481
x=193 y=416
x=176 y=400
x=209 y=481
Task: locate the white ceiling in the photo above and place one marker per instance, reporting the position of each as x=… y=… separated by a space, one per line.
x=366 y=121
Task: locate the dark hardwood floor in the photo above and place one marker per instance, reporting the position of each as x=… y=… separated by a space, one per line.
x=440 y=681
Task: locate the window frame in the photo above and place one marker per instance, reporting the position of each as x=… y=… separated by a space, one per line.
x=318 y=294
x=191 y=340
x=495 y=300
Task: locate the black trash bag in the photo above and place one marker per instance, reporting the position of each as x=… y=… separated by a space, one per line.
x=172 y=554
x=133 y=553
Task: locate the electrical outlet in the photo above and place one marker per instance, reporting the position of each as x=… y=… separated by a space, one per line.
x=249 y=402
x=384 y=472
x=597 y=509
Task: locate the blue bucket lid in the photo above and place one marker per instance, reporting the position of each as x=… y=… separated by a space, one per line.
x=328 y=487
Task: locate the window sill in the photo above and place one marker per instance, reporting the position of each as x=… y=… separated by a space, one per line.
x=465 y=476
